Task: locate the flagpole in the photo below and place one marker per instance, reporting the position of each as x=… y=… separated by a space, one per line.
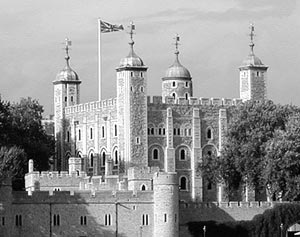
x=99 y=61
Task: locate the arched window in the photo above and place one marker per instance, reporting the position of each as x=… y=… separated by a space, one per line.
x=116 y=157
x=209 y=153
x=71 y=98
x=103 y=159
x=79 y=135
x=182 y=154
x=174 y=95
x=174 y=84
x=209 y=133
x=116 y=130
x=91 y=133
x=186 y=96
x=91 y=160
x=143 y=188
x=155 y=154
x=183 y=183
x=68 y=136
x=186 y=84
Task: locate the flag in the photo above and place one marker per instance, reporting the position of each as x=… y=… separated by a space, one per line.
x=107 y=27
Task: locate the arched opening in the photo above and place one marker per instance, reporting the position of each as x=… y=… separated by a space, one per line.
x=183 y=183
x=182 y=154
x=174 y=95
x=91 y=161
x=143 y=188
x=155 y=154
x=116 y=157
x=103 y=159
x=209 y=133
x=186 y=96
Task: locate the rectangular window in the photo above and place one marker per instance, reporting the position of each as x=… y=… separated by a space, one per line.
x=83 y=220
x=145 y=219
x=79 y=135
x=18 y=220
x=137 y=140
x=3 y=220
x=91 y=133
x=107 y=219
x=165 y=217
x=56 y=220
x=103 y=131
x=116 y=130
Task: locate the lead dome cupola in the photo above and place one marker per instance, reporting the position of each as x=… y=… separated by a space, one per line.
x=67 y=73
x=177 y=70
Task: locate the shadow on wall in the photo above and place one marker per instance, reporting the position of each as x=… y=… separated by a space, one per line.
x=62 y=215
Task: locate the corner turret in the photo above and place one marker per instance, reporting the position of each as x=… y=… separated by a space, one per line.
x=253 y=75
x=177 y=81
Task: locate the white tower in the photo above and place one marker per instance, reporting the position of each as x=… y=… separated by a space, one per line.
x=132 y=108
x=253 y=85
x=66 y=93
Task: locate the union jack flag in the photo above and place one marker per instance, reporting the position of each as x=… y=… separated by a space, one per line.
x=107 y=27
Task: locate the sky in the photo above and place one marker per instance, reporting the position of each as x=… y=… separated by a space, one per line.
x=213 y=43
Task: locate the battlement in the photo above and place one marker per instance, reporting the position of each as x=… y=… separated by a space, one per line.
x=141 y=173
x=157 y=100
x=55 y=174
x=91 y=106
x=103 y=196
x=162 y=178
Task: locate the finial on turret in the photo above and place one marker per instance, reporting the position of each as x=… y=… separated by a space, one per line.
x=251 y=38
x=176 y=38
x=68 y=43
x=131 y=29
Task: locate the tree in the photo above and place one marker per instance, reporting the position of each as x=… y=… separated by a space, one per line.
x=21 y=127
x=246 y=151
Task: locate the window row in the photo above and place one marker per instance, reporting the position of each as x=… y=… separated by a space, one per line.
x=91 y=133
x=161 y=131
x=141 y=89
x=166 y=217
x=186 y=84
x=186 y=95
x=182 y=154
x=103 y=158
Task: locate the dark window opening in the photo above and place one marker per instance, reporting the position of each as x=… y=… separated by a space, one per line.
x=183 y=183
x=208 y=133
x=209 y=186
x=182 y=154
x=116 y=157
x=103 y=159
x=155 y=154
x=143 y=187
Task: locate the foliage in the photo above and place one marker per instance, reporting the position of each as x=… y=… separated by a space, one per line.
x=21 y=127
x=262 y=225
x=256 y=137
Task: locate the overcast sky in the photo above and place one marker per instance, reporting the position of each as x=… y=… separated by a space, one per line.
x=214 y=42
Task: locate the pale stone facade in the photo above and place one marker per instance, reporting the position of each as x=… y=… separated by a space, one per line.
x=131 y=163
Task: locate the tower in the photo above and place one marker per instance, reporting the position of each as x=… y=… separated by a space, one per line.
x=253 y=75
x=177 y=81
x=132 y=108
x=66 y=93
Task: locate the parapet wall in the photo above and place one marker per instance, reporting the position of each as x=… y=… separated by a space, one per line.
x=91 y=106
x=222 y=212
x=156 y=100
x=67 y=197
x=141 y=173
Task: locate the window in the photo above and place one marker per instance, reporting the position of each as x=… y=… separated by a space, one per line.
x=209 y=186
x=182 y=154
x=131 y=74
x=183 y=183
x=116 y=157
x=174 y=95
x=91 y=160
x=174 y=84
x=257 y=73
x=56 y=220
x=165 y=217
x=107 y=219
x=66 y=99
x=186 y=96
x=143 y=188
x=142 y=74
x=71 y=98
x=174 y=130
x=137 y=140
x=186 y=84
x=103 y=159
x=116 y=130
x=3 y=220
x=145 y=219
x=56 y=189
x=68 y=136
x=131 y=88
x=209 y=153
x=18 y=220
x=91 y=133
x=178 y=131
x=209 y=133
x=155 y=154
x=83 y=220
x=142 y=89
x=159 y=131
x=152 y=131
x=164 y=131
x=79 y=135
x=103 y=131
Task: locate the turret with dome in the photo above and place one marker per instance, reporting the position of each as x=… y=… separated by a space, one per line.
x=177 y=81
x=253 y=75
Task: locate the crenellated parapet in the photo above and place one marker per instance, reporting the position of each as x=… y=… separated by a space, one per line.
x=140 y=178
x=158 y=100
x=91 y=106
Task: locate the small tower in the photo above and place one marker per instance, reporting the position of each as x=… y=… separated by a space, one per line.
x=66 y=93
x=132 y=108
x=177 y=81
x=253 y=75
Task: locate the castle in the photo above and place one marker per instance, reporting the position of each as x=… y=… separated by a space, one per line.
x=129 y=166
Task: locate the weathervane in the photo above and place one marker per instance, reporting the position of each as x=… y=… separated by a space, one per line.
x=131 y=32
x=251 y=37
x=67 y=43
x=176 y=38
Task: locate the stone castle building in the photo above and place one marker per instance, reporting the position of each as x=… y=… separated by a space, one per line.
x=129 y=166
